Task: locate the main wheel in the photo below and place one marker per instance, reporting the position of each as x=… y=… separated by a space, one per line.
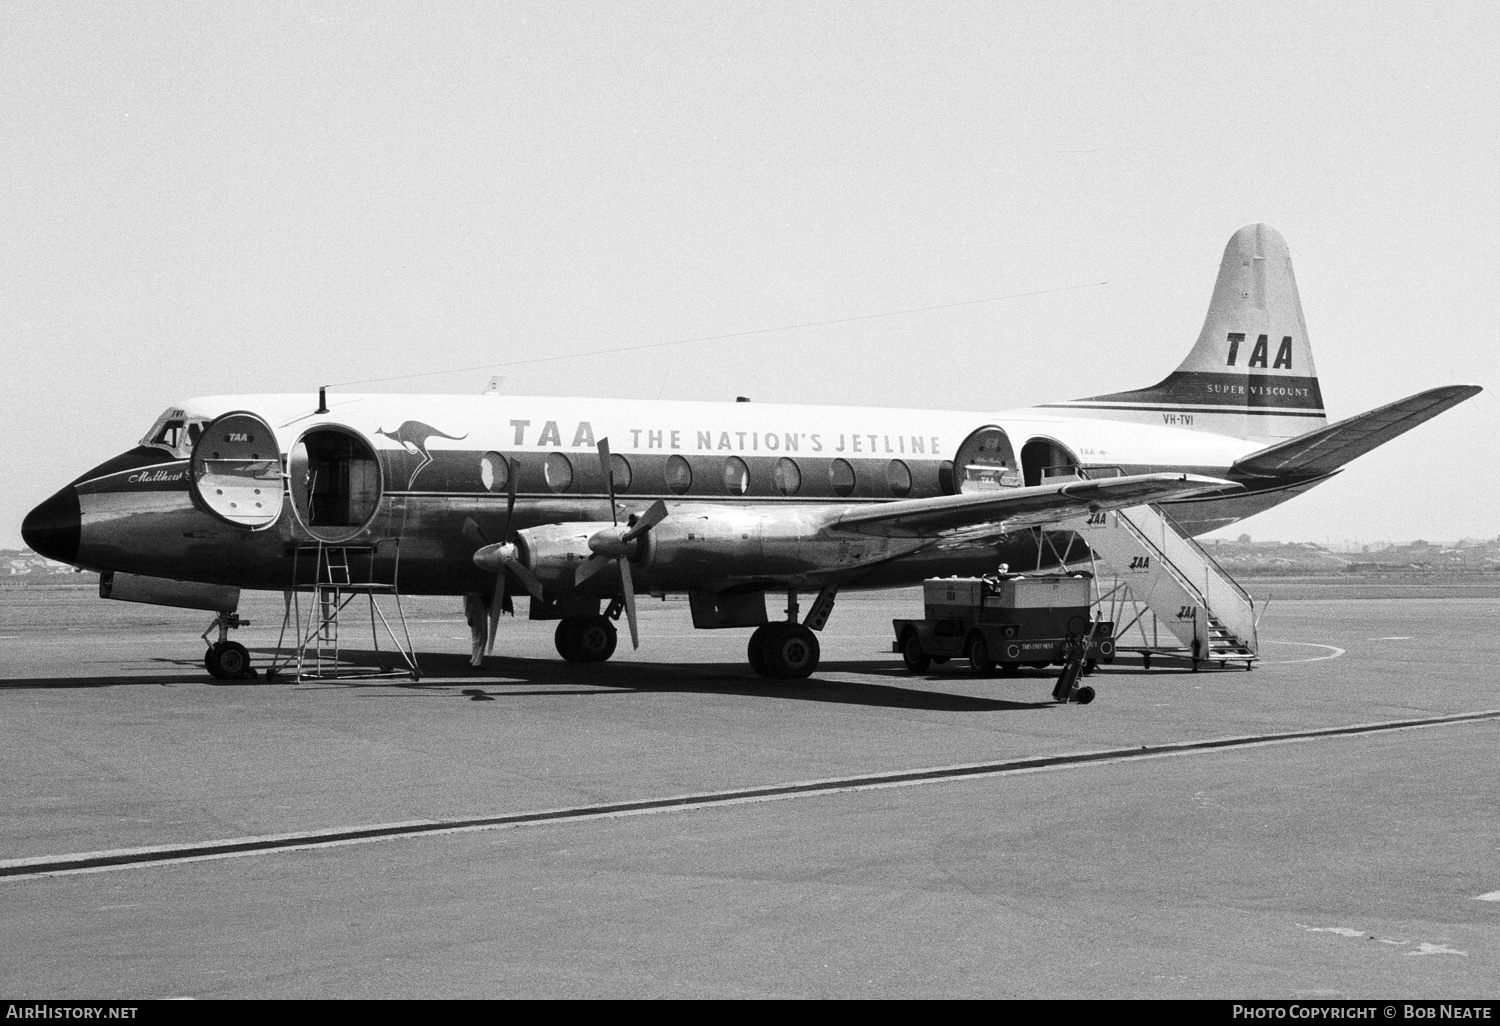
x=228 y=660
x=791 y=651
x=566 y=639
x=756 y=650
x=595 y=639
x=911 y=653
x=979 y=655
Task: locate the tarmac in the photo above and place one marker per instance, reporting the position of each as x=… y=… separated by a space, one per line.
x=1324 y=826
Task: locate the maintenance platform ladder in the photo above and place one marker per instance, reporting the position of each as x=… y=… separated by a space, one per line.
x=315 y=653
x=1167 y=580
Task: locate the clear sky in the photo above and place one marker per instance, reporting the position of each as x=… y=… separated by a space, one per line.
x=209 y=198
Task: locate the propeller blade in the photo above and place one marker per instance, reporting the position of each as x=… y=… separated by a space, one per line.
x=606 y=464
x=497 y=601
x=655 y=514
x=629 y=587
x=475 y=533
x=526 y=577
x=511 y=467
x=588 y=568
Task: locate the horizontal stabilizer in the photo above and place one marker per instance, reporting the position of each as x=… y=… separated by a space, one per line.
x=978 y=514
x=1327 y=449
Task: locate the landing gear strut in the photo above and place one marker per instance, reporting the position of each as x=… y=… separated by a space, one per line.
x=225 y=659
x=585 y=639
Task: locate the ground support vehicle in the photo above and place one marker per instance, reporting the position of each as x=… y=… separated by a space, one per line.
x=1009 y=621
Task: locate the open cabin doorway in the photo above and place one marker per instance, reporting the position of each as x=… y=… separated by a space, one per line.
x=1044 y=460
x=335 y=482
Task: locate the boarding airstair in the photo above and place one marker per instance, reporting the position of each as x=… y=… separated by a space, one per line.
x=1166 y=583
x=332 y=585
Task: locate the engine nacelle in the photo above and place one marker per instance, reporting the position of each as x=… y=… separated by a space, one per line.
x=727 y=542
x=553 y=551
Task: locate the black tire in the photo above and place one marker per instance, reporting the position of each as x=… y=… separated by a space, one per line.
x=979 y=655
x=791 y=651
x=1084 y=695
x=211 y=661
x=912 y=655
x=594 y=639
x=566 y=639
x=228 y=660
x=756 y=650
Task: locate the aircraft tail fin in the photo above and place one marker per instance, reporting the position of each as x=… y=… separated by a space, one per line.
x=1327 y=449
x=1251 y=372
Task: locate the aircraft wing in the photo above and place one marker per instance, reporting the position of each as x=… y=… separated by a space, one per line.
x=976 y=514
x=1325 y=450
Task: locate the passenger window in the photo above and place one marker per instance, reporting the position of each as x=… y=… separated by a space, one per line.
x=679 y=475
x=736 y=476
x=619 y=468
x=898 y=476
x=841 y=477
x=494 y=471
x=786 y=476
x=558 y=471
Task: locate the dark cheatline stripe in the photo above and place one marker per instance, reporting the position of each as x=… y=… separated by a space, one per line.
x=88 y=861
x=1218 y=388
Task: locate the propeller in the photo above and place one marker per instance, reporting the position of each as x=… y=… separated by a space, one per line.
x=619 y=543
x=501 y=557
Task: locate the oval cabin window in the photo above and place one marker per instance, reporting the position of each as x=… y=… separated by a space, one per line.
x=786 y=476
x=679 y=475
x=898 y=476
x=494 y=471
x=736 y=476
x=841 y=477
x=558 y=471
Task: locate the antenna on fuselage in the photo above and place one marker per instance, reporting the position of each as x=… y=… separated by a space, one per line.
x=322 y=398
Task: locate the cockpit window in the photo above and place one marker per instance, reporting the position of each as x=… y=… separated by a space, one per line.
x=176 y=432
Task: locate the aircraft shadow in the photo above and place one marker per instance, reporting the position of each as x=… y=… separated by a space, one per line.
x=441 y=671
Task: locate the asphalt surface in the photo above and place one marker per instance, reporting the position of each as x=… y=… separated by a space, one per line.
x=1339 y=866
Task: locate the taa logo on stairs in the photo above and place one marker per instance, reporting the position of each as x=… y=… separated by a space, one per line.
x=1098 y=519
x=1187 y=612
x=1140 y=564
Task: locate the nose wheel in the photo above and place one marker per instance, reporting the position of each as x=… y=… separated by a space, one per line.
x=225 y=659
x=228 y=660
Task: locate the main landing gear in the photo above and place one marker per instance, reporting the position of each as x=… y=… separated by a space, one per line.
x=783 y=651
x=225 y=659
x=788 y=650
x=585 y=639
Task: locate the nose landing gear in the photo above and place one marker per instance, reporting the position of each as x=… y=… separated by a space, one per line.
x=225 y=659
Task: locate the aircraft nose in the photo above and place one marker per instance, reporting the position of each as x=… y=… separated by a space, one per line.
x=54 y=527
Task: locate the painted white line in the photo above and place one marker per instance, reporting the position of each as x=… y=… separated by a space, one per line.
x=1334 y=651
x=1436 y=949
x=1393 y=637
x=171 y=854
x=1492 y=896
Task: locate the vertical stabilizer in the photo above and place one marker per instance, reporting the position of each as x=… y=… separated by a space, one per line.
x=1251 y=372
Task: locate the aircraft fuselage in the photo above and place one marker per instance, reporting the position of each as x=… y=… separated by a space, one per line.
x=748 y=486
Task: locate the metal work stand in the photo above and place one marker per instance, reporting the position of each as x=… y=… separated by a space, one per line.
x=315 y=651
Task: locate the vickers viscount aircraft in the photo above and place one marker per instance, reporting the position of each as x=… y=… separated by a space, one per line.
x=480 y=496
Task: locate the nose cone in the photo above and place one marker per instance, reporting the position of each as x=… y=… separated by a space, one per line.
x=53 y=528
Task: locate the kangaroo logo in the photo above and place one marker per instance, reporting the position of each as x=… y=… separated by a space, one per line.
x=413 y=436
